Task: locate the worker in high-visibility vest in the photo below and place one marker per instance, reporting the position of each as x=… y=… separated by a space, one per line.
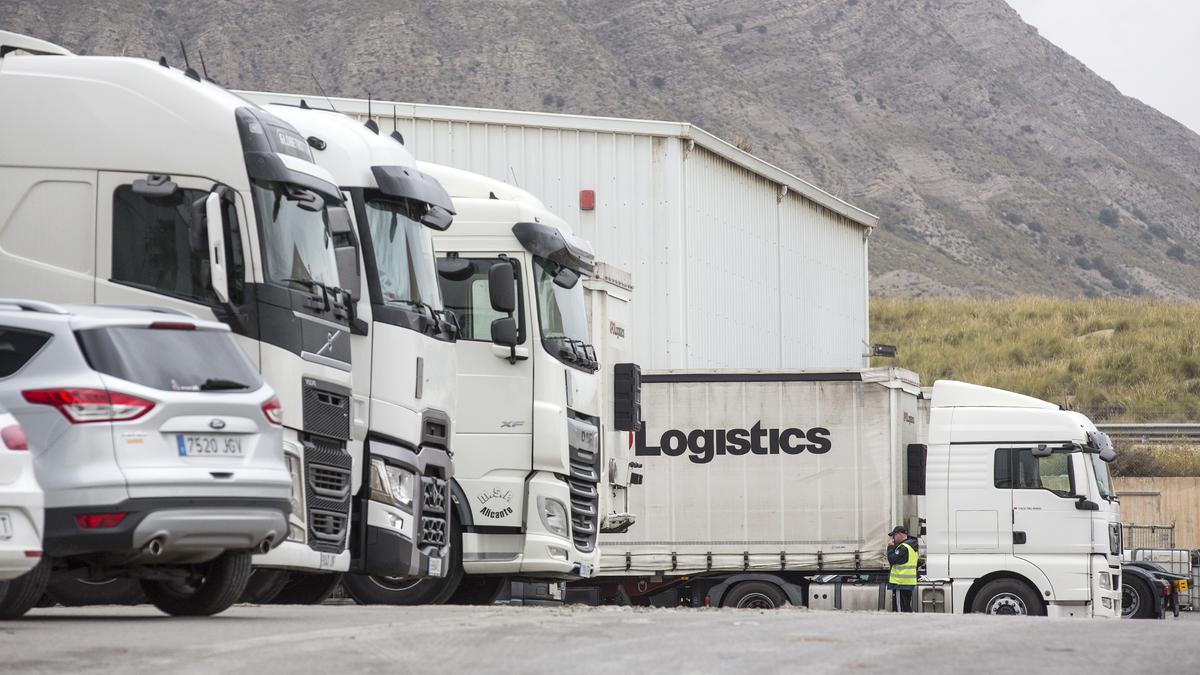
x=902 y=556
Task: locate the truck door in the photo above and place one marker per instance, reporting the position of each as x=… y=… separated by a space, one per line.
x=152 y=249
x=495 y=392
x=980 y=508
x=1049 y=530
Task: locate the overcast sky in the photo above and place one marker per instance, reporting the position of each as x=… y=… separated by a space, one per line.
x=1149 y=49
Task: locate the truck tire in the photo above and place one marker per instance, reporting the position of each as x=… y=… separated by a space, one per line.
x=479 y=590
x=220 y=585
x=73 y=588
x=1007 y=597
x=264 y=585
x=754 y=595
x=307 y=588
x=21 y=594
x=1137 y=601
x=370 y=589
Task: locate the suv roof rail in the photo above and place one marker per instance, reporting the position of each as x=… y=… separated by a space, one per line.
x=33 y=306
x=154 y=308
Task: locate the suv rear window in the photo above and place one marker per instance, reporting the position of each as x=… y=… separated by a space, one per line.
x=170 y=359
x=17 y=347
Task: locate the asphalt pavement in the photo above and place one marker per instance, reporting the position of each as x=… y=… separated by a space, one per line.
x=560 y=640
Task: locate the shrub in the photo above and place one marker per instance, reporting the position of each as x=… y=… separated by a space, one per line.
x=858 y=97
x=1109 y=217
x=1177 y=252
x=657 y=82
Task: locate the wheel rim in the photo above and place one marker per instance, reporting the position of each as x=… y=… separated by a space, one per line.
x=395 y=583
x=755 y=601
x=1007 y=604
x=1131 y=602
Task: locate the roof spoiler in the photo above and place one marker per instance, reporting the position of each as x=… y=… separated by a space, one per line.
x=11 y=42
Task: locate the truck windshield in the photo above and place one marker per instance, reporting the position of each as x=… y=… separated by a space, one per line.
x=562 y=317
x=298 y=245
x=404 y=257
x=1103 y=479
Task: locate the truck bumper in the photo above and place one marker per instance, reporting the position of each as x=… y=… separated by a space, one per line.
x=537 y=552
x=297 y=556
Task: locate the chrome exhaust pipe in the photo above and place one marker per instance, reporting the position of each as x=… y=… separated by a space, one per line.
x=154 y=547
x=265 y=545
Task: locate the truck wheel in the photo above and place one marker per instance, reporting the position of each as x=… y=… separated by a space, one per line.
x=1137 y=602
x=754 y=595
x=307 y=588
x=73 y=588
x=217 y=587
x=479 y=590
x=370 y=589
x=21 y=594
x=1007 y=597
x=265 y=583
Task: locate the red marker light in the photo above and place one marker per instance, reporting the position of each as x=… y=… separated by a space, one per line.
x=14 y=437
x=97 y=521
x=173 y=325
x=587 y=200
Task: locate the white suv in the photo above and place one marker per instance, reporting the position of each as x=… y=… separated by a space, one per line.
x=20 y=508
x=157 y=443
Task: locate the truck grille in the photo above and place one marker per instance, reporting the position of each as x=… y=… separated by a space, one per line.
x=327 y=493
x=585 y=498
x=433 y=531
x=433 y=511
x=326 y=409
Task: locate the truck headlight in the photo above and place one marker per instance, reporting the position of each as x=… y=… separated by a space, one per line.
x=554 y=516
x=1105 y=581
x=297 y=495
x=583 y=435
x=391 y=484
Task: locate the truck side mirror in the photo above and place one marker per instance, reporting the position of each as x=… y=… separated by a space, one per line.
x=501 y=290
x=917 y=453
x=218 y=271
x=345 y=251
x=627 y=397
x=504 y=332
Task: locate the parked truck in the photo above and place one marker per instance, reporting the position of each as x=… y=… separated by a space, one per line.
x=766 y=487
x=404 y=356
x=125 y=181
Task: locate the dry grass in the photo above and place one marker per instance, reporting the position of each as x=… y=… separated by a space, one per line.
x=1137 y=461
x=1114 y=359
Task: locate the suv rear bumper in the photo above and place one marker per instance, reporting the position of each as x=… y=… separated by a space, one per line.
x=193 y=525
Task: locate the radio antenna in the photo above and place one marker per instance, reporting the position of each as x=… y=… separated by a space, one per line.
x=204 y=67
x=322 y=90
x=188 y=66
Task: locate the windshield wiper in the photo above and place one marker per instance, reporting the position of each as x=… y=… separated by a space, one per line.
x=423 y=307
x=326 y=291
x=219 y=384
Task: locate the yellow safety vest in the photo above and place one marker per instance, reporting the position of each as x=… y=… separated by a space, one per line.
x=905 y=574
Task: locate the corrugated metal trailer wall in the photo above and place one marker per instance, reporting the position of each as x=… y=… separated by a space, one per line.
x=731 y=269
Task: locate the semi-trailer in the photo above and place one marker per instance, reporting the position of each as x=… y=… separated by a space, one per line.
x=771 y=487
x=404 y=356
x=173 y=192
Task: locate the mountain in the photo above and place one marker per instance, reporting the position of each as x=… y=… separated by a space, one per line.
x=998 y=163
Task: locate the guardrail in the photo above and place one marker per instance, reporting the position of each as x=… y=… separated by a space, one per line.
x=1153 y=433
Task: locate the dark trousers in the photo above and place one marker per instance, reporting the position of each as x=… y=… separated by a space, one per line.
x=902 y=599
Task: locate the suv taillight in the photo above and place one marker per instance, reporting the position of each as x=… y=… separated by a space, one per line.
x=273 y=411
x=81 y=406
x=14 y=437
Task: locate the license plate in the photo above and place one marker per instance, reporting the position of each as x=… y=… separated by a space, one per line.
x=5 y=526
x=1181 y=585
x=191 y=445
x=435 y=567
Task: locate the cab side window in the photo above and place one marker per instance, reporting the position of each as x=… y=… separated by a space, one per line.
x=160 y=244
x=1018 y=469
x=470 y=300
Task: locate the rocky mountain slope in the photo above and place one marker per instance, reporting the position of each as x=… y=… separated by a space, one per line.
x=998 y=163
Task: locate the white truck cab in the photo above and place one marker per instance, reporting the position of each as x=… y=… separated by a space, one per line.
x=404 y=354
x=1019 y=497
x=174 y=192
x=527 y=455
